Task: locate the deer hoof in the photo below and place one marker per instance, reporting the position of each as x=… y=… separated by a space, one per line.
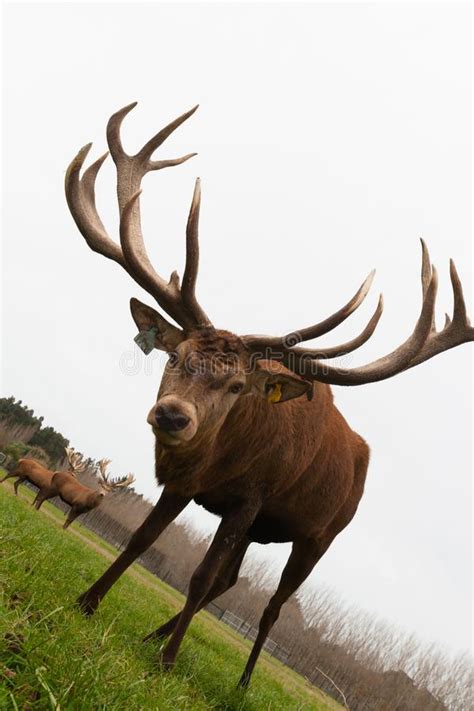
x=86 y=606
x=167 y=662
x=244 y=681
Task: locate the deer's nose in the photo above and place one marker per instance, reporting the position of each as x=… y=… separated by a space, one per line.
x=169 y=420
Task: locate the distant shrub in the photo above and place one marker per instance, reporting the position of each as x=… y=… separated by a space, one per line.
x=38 y=454
x=51 y=442
x=19 y=423
x=19 y=450
x=15 y=451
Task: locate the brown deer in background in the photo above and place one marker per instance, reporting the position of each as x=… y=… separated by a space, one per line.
x=245 y=426
x=65 y=484
x=83 y=499
x=29 y=470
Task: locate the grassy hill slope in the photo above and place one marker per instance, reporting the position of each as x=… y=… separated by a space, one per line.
x=51 y=657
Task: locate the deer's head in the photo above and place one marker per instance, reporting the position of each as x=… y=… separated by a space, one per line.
x=209 y=370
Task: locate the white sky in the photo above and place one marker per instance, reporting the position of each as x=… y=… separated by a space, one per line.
x=330 y=138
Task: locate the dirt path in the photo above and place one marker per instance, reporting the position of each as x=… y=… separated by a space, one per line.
x=284 y=674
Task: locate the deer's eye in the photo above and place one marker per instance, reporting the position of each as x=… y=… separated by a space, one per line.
x=236 y=388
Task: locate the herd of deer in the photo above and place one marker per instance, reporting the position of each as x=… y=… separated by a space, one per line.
x=245 y=426
x=65 y=484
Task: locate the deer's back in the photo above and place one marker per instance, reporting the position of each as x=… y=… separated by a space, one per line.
x=70 y=489
x=34 y=472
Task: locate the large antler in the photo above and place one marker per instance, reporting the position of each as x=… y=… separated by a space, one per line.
x=424 y=343
x=76 y=461
x=456 y=330
x=109 y=484
x=179 y=303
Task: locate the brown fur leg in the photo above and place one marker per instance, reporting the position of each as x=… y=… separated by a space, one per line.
x=223 y=583
x=169 y=506
x=304 y=556
x=231 y=532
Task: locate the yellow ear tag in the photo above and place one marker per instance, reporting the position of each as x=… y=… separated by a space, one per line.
x=275 y=394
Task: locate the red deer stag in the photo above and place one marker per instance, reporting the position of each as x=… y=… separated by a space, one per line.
x=29 y=470
x=83 y=499
x=245 y=425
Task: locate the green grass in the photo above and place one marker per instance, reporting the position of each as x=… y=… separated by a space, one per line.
x=51 y=657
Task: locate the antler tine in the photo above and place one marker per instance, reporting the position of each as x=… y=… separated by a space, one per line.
x=102 y=465
x=150 y=147
x=123 y=482
x=118 y=483
x=455 y=332
x=170 y=162
x=88 y=185
x=114 y=124
x=81 y=201
x=319 y=329
x=425 y=267
x=69 y=453
x=349 y=346
x=426 y=271
x=459 y=309
x=69 y=456
x=188 y=287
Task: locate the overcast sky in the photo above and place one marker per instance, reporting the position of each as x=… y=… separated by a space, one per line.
x=330 y=138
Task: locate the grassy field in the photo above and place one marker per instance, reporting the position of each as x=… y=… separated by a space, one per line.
x=51 y=657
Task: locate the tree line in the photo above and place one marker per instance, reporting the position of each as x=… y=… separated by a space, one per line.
x=361 y=661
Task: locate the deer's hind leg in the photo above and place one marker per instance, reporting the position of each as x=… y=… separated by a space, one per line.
x=304 y=556
x=17 y=483
x=224 y=581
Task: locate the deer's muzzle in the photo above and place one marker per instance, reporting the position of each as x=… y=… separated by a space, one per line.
x=170 y=420
x=173 y=420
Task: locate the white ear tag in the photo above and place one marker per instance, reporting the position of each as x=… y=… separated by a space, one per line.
x=145 y=340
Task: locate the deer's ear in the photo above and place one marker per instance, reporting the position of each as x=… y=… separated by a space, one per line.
x=154 y=330
x=279 y=387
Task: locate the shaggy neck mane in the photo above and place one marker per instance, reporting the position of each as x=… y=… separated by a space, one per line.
x=251 y=429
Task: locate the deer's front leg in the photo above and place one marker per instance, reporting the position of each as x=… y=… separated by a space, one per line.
x=227 y=577
x=169 y=506
x=229 y=535
x=72 y=515
x=40 y=498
